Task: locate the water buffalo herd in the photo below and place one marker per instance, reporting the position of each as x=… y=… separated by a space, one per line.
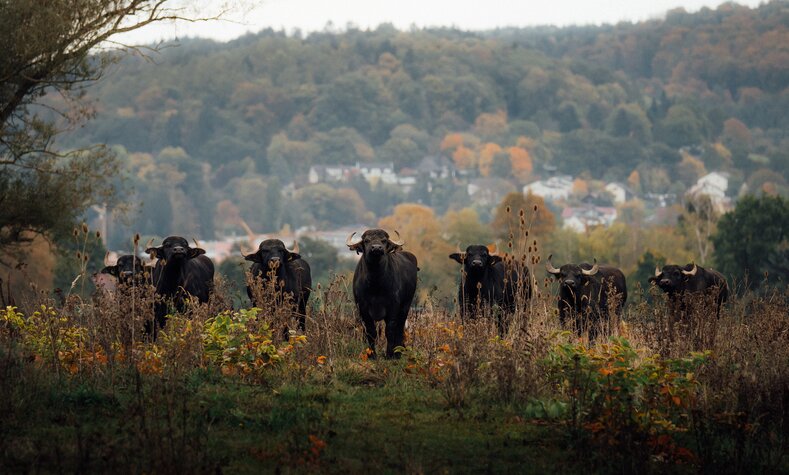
x=385 y=281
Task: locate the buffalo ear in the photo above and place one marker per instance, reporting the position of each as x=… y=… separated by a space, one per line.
x=458 y=256
x=392 y=247
x=195 y=251
x=112 y=270
x=494 y=259
x=155 y=252
x=292 y=256
x=254 y=257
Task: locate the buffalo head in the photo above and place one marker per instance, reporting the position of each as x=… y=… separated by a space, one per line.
x=672 y=277
x=125 y=268
x=571 y=276
x=174 y=248
x=374 y=244
x=476 y=258
x=272 y=253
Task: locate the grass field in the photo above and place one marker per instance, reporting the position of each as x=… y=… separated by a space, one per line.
x=83 y=391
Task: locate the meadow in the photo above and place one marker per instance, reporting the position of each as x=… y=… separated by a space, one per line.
x=84 y=390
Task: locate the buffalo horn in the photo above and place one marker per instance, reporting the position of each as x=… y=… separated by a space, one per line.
x=349 y=242
x=593 y=270
x=399 y=241
x=549 y=267
x=295 y=249
x=197 y=244
x=492 y=249
x=107 y=258
x=692 y=271
x=657 y=271
x=149 y=243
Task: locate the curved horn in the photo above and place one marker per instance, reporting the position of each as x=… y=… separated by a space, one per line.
x=197 y=244
x=457 y=248
x=657 y=271
x=149 y=243
x=107 y=258
x=593 y=270
x=349 y=242
x=692 y=271
x=399 y=241
x=492 y=249
x=295 y=249
x=549 y=267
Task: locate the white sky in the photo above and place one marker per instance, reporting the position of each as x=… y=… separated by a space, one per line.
x=313 y=15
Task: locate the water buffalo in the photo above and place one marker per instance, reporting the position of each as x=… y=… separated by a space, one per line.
x=486 y=279
x=128 y=269
x=584 y=291
x=682 y=283
x=180 y=272
x=384 y=284
x=292 y=274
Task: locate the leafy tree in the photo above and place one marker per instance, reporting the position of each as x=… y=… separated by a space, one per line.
x=568 y=117
x=518 y=213
x=698 y=223
x=681 y=126
x=753 y=237
x=52 y=51
x=464 y=228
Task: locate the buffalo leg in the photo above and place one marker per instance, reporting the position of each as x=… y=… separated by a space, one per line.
x=394 y=337
x=371 y=333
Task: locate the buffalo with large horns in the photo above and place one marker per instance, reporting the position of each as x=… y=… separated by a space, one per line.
x=290 y=272
x=487 y=280
x=691 y=281
x=180 y=272
x=584 y=292
x=384 y=284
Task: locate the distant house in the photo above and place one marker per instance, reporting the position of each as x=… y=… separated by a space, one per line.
x=436 y=167
x=331 y=174
x=489 y=191
x=378 y=172
x=552 y=189
x=580 y=219
x=714 y=185
x=620 y=192
x=661 y=200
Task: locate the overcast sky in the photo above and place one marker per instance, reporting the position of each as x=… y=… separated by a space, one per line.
x=312 y=15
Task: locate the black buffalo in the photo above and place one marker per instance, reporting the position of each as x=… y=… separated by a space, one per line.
x=129 y=270
x=681 y=283
x=584 y=291
x=180 y=272
x=292 y=273
x=486 y=279
x=384 y=284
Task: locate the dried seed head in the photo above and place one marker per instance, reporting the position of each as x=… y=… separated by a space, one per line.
x=85 y=228
x=98 y=234
x=521 y=213
x=509 y=209
x=535 y=207
x=136 y=238
x=79 y=255
x=75 y=232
